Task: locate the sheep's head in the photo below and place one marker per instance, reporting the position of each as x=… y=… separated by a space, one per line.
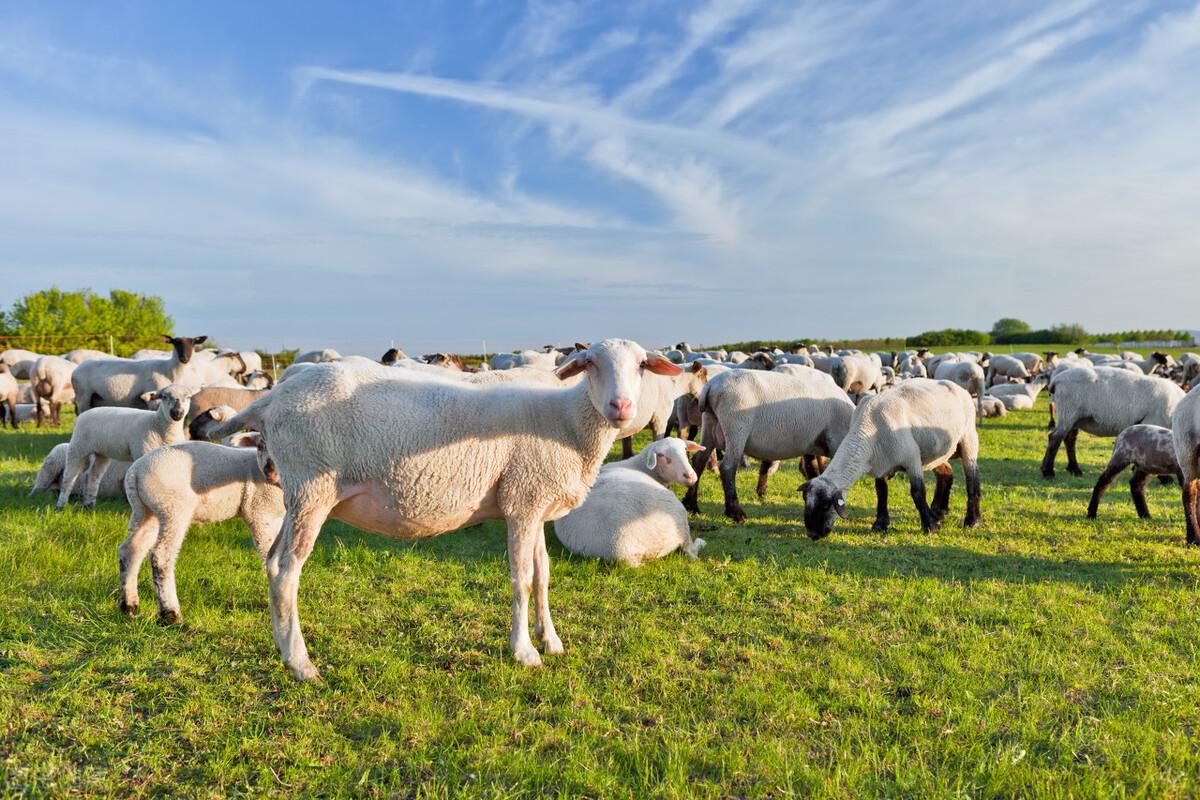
x=184 y=345
x=823 y=504
x=614 y=370
x=667 y=459
x=173 y=400
x=391 y=356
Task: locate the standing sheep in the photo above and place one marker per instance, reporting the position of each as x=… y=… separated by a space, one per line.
x=123 y=382
x=396 y=453
x=174 y=487
x=1003 y=368
x=10 y=392
x=919 y=425
x=51 y=382
x=1185 y=432
x=123 y=434
x=1151 y=451
x=19 y=361
x=630 y=515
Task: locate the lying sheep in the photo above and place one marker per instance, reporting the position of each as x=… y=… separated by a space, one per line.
x=49 y=475
x=123 y=434
x=171 y=488
x=1003 y=368
x=1151 y=451
x=325 y=356
x=1185 y=433
x=630 y=515
x=1104 y=402
x=921 y=424
x=51 y=382
x=123 y=382
x=1020 y=396
x=10 y=393
x=992 y=407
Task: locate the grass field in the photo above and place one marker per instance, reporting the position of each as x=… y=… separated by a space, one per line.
x=1042 y=654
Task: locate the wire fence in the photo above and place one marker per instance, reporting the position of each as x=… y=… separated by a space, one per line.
x=117 y=344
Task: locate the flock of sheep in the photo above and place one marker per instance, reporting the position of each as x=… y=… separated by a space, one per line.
x=417 y=447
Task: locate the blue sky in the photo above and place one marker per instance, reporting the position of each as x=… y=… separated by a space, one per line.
x=440 y=174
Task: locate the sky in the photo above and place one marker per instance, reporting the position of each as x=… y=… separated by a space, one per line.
x=448 y=174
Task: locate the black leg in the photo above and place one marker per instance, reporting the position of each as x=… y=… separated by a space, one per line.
x=1052 y=444
x=733 y=508
x=974 y=494
x=764 y=470
x=1166 y=480
x=941 y=492
x=808 y=467
x=1114 y=468
x=1072 y=464
x=627 y=447
x=1137 y=490
x=699 y=464
x=882 y=518
x=916 y=487
x=1053 y=422
x=1190 y=491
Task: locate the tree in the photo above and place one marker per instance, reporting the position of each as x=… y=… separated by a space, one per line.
x=1070 y=333
x=1008 y=326
x=55 y=321
x=947 y=337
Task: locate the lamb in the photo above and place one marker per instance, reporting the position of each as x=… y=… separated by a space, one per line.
x=171 y=488
x=1151 y=451
x=1185 y=433
x=992 y=407
x=10 y=392
x=1002 y=368
x=394 y=452
x=630 y=515
x=1020 y=396
x=49 y=475
x=19 y=361
x=212 y=396
x=921 y=424
x=325 y=356
x=124 y=382
x=769 y=416
x=51 y=382
x=123 y=434
x=1104 y=402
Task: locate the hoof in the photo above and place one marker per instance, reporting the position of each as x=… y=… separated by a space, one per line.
x=736 y=514
x=526 y=656
x=170 y=617
x=129 y=610
x=881 y=525
x=305 y=671
x=1091 y=514
x=691 y=506
x=1076 y=471
x=89 y=507
x=970 y=523
x=1048 y=474
x=552 y=645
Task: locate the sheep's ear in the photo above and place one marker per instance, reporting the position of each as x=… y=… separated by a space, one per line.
x=146 y=397
x=581 y=345
x=248 y=439
x=661 y=365
x=168 y=337
x=573 y=365
x=651 y=459
x=839 y=505
x=693 y=447
x=200 y=340
x=696 y=366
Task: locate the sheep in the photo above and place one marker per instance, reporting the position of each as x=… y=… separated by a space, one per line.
x=27 y=412
x=1032 y=362
x=445 y=361
x=630 y=515
x=80 y=355
x=857 y=375
x=992 y=407
x=171 y=488
x=10 y=392
x=911 y=367
x=258 y=379
x=656 y=406
x=770 y=416
x=325 y=356
x=123 y=382
x=921 y=424
x=802 y=359
x=967 y=374
x=1002 y=368
x=502 y=361
x=212 y=396
x=394 y=452
x=1020 y=396
x=1104 y=402
x=1151 y=451
x=222 y=367
x=1191 y=366
x=49 y=475
x=392 y=355
x=686 y=414
x=1185 y=434
x=124 y=434
x=19 y=361
x=532 y=358
x=294 y=369
x=759 y=360
x=51 y=382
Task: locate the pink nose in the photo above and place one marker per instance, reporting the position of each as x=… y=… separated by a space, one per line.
x=623 y=407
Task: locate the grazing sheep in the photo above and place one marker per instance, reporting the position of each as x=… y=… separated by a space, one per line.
x=10 y=392
x=1020 y=396
x=19 y=361
x=1104 y=402
x=630 y=515
x=325 y=356
x=1191 y=366
x=394 y=452
x=123 y=382
x=992 y=407
x=51 y=382
x=921 y=424
x=1151 y=451
x=49 y=475
x=123 y=434
x=174 y=487
x=1185 y=432
x=1003 y=368
x=770 y=416
x=1032 y=362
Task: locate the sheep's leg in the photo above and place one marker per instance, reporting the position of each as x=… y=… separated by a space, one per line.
x=522 y=553
x=94 y=474
x=734 y=453
x=1166 y=480
x=1072 y=463
x=1115 y=467
x=1191 y=490
x=143 y=532
x=301 y=526
x=263 y=533
x=543 y=627
x=1053 y=442
x=916 y=486
x=75 y=465
x=941 y=492
x=12 y=413
x=974 y=493
x=56 y=414
x=627 y=447
x=1137 y=491
x=1053 y=422
x=172 y=530
x=882 y=518
x=41 y=411
x=765 y=470
x=700 y=462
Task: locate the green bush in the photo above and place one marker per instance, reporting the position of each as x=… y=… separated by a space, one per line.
x=948 y=337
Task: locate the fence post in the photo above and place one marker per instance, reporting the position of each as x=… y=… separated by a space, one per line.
x=111 y=351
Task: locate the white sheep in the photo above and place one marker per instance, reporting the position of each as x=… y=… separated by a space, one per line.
x=921 y=424
x=1151 y=451
x=1104 y=402
x=123 y=434
x=1002 y=368
x=80 y=355
x=990 y=406
x=148 y=352
x=630 y=515
x=325 y=356
x=19 y=361
x=123 y=382
x=1185 y=433
x=174 y=487
x=51 y=382
x=770 y=416
x=49 y=475
x=397 y=453
x=10 y=394
x=1020 y=396
x=966 y=374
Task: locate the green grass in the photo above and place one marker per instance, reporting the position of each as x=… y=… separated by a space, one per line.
x=1042 y=654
